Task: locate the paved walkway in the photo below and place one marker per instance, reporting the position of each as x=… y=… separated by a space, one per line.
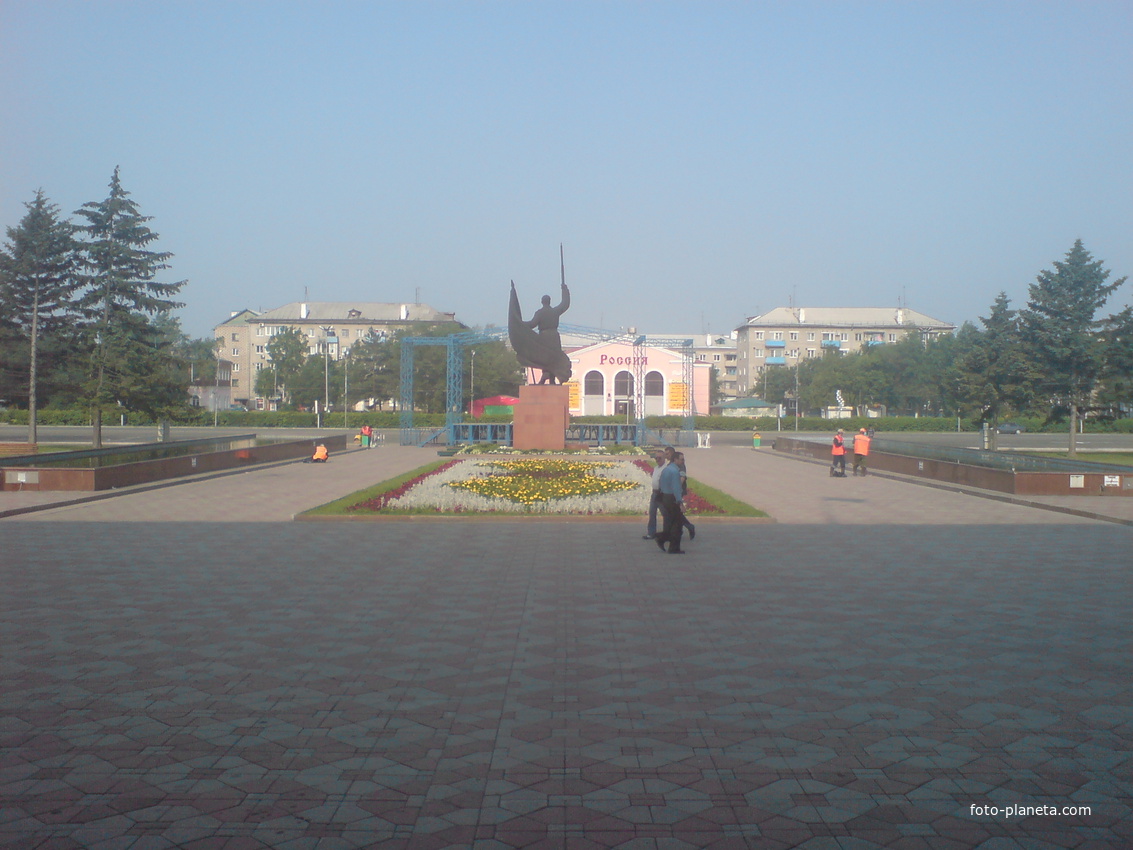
x=184 y=668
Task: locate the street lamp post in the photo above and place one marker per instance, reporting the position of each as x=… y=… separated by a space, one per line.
x=345 y=385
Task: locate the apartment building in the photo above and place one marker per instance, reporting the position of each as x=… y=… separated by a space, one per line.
x=719 y=352
x=332 y=326
x=786 y=334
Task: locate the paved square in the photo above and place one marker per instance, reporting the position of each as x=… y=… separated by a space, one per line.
x=860 y=674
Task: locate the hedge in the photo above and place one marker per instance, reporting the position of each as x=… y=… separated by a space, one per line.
x=390 y=419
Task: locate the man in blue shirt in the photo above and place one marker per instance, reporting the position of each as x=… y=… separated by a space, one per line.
x=671 y=501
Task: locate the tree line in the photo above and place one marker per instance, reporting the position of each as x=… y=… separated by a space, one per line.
x=86 y=322
x=1059 y=357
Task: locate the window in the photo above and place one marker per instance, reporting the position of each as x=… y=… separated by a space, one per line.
x=344 y=333
x=623 y=384
x=235 y=337
x=857 y=337
x=259 y=349
x=729 y=370
x=235 y=367
x=892 y=337
x=654 y=384
x=235 y=382
x=794 y=334
x=810 y=336
x=260 y=330
x=777 y=335
x=810 y=352
x=259 y=366
x=236 y=352
x=716 y=358
x=759 y=334
x=594 y=383
x=729 y=358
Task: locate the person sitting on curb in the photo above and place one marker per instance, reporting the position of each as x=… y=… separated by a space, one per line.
x=321 y=454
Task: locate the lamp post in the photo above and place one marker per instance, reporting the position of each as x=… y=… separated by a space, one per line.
x=345 y=385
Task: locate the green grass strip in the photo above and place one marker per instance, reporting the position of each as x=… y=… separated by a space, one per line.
x=730 y=506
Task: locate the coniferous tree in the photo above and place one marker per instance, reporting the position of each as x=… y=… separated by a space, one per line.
x=129 y=355
x=1061 y=330
x=37 y=286
x=994 y=373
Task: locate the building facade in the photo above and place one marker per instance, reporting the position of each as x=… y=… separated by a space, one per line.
x=719 y=352
x=786 y=335
x=605 y=375
x=332 y=326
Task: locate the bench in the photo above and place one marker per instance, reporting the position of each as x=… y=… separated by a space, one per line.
x=18 y=449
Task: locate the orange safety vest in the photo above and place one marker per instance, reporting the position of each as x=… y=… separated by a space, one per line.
x=861 y=444
x=320 y=453
x=839 y=447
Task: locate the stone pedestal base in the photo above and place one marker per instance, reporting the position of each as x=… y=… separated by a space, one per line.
x=541 y=417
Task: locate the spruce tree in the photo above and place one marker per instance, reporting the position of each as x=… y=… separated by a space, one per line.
x=1062 y=332
x=37 y=286
x=129 y=355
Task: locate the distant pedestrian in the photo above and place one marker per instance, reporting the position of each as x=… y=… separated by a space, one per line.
x=321 y=454
x=655 y=499
x=838 y=455
x=861 y=451
x=367 y=436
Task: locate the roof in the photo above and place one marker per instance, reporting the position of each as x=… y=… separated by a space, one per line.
x=353 y=311
x=869 y=317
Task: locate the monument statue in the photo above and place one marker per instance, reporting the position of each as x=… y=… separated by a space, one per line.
x=536 y=341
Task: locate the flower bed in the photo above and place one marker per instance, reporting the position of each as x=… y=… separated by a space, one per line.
x=550 y=485
x=526 y=486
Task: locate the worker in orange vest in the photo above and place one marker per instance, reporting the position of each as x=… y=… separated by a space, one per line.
x=861 y=451
x=838 y=456
x=320 y=455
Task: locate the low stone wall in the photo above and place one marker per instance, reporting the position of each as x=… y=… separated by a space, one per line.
x=142 y=472
x=1019 y=483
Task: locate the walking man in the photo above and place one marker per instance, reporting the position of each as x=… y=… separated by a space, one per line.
x=861 y=451
x=673 y=529
x=655 y=499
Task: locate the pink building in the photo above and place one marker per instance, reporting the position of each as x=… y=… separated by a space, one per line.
x=603 y=380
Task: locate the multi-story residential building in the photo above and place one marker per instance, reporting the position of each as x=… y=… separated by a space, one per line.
x=787 y=334
x=332 y=326
x=719 y=352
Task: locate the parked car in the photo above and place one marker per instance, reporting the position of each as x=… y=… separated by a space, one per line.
x=1011 y=428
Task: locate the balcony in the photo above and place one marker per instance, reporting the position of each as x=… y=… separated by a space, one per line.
x=775 y=343
x=776 y=361
x=832 y=343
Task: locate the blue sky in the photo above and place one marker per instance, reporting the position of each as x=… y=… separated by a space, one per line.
x=701 y=162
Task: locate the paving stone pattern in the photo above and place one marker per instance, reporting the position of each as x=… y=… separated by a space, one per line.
x=239 y=684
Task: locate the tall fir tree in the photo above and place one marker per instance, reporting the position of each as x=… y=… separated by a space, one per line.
x=994 y=372
x=129 y=355
x=38 y=285
x=1062 y=331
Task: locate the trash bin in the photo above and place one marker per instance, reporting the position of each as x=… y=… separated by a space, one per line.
x=755 y=440
x=365 y=441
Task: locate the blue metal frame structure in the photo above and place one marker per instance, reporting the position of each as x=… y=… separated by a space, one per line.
x=454 y=381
